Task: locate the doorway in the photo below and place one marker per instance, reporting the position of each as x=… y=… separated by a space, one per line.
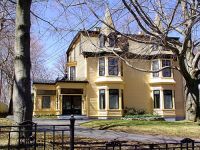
x=71 y=104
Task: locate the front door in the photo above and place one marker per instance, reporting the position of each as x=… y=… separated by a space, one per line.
x=71 y=105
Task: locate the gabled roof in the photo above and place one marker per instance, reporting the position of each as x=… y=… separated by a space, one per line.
x=77 y=36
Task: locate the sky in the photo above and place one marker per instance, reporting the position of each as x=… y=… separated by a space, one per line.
x=65 y=23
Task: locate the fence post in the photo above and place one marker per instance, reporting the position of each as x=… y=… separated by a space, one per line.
x=72 y=122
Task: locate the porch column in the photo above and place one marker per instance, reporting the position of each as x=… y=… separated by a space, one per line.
x=34 y=101
x=58 y=101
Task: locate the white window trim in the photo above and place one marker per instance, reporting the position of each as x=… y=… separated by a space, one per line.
x=106 y=67
x=162 y=98
x=160 y=66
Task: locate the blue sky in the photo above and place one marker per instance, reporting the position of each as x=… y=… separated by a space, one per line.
x=68 y=22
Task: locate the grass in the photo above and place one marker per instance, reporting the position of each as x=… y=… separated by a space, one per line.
x=176 y=129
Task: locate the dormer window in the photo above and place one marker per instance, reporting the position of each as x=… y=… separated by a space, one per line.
x=102 y=40
x=112 y=39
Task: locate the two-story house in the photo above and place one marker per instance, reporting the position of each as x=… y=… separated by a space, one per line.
x=101 y=85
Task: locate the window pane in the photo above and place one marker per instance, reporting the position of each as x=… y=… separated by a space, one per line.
x=72 y=73
x=101 y=99
x=156 y=97
x=46 y=101
x=155 y=66
x=168 y=102
x=112 y=66
x=101 y=66
x=166 y=72
x=114 y=99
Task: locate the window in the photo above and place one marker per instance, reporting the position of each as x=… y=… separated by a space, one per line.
x=156 y=97
x=155 y=66
x=102 y=99
x=72 y=73
x=166 y=72
x=101 y=66
x=113 y=98
x=168 y=102
x=112 y=39
x=112 y=66
x=46 y=101
x=102 y=39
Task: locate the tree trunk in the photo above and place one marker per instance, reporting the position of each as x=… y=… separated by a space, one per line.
x=192 y=104
x=22 y=102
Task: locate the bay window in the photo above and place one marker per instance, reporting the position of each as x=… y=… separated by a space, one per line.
x=102 y=102
x=168 y=101
x=155 y=67
x=156 y=96
x=112 y=66
x=101 y=66
x=164 y=100
x=159 y=64
x=166 y=72
x=113 y=98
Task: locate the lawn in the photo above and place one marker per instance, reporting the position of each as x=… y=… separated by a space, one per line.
x=177 y=128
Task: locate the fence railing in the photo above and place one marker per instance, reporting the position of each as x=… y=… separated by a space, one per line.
x=29 y=135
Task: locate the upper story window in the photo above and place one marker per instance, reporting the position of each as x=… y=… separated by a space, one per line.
x=101 y=66
x=102 y=40
x=155 y=66
x=112 y=39
x=112 y=66
x=158 y=64
x=72 y=73
x=166 y=72
x=46 y=101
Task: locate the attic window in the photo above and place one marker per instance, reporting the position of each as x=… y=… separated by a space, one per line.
x=112 y=39
x=102 y=40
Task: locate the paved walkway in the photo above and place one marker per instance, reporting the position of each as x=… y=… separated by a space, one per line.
x=109 y=134
x=106 y=134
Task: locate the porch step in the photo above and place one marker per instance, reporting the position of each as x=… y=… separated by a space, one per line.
x=77 y=117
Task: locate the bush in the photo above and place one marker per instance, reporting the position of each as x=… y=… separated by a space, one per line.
x=133 y=111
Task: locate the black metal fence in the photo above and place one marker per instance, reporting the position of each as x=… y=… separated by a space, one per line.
x=29 y=135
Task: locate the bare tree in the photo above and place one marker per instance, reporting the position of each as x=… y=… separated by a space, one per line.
x=178 y=17
x=22 y=102
x=60 y=65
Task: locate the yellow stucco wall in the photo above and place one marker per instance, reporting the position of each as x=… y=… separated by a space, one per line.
x=137 y=90
x=38 y=110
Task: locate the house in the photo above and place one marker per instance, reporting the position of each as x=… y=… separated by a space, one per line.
x=101 y=85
